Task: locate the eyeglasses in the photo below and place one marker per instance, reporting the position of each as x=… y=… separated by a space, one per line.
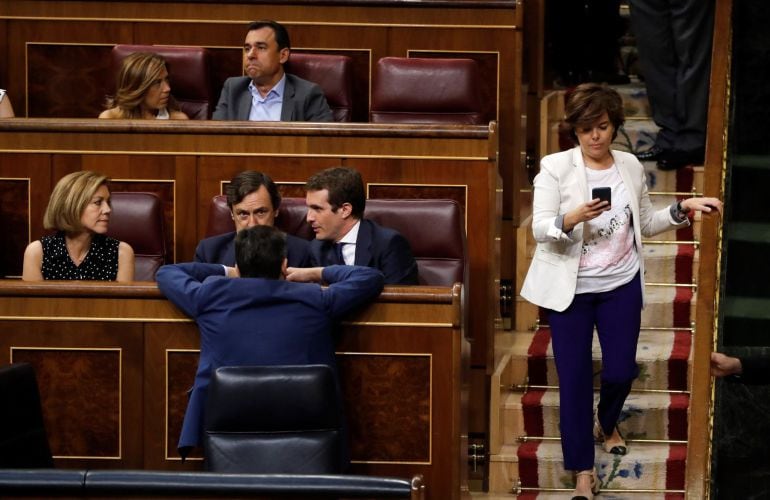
x=244 y=215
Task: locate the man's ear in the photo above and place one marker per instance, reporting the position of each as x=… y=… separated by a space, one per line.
x=347 y=209
x=284 y=55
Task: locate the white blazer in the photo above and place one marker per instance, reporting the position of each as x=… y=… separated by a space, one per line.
x=560 y=187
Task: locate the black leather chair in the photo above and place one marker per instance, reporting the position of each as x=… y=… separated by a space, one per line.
x=23 y=440
x=273 y=420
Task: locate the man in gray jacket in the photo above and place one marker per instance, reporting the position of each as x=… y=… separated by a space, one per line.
x=267 y=93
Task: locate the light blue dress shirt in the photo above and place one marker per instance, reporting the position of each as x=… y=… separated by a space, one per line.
x=267 y=108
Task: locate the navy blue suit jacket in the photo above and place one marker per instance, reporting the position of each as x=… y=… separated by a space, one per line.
x=378 y=247
x=220 y=249
x=303 y=101
x=254 y=321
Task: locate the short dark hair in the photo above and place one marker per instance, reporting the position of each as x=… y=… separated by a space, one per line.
x=588 y=102
x=248 y=182
x=259 y=252
x=281 y=34
x=344 y=185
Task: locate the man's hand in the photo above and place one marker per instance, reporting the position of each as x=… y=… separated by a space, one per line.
x=722 y=365
x=232 y=272
x=304 y=274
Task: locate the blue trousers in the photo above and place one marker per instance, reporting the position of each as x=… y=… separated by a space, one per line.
x=617 y=317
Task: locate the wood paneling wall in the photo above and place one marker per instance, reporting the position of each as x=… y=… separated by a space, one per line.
x=57 y=51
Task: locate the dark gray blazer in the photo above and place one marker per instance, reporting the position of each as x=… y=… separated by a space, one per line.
x=303 y=101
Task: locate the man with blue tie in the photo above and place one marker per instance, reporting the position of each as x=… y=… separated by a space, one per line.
x=336 y=200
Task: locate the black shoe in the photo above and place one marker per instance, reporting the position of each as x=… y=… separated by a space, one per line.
x=655 y=153
x=678 y=159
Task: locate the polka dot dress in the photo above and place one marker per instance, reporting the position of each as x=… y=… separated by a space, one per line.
x=101 y=262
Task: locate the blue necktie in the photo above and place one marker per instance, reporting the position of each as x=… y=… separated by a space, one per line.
x=338 y=250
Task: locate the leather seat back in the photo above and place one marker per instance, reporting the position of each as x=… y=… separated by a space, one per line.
x=333 y=73
x=273 y=419
x=137 y=219
x=426 y=90
x=188 y=69
x=23 y=439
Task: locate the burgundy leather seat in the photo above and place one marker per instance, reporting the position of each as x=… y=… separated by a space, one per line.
x=137 y=219
x=426 y=90
x=435 y=230
x=188 y=69
x=333 y=73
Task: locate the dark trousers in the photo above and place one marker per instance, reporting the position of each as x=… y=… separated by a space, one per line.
x=617 y=317
x=674 y=42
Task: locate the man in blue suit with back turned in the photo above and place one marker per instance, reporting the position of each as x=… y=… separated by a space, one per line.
x=335 y=208
x=254 y=200
x=249 y=315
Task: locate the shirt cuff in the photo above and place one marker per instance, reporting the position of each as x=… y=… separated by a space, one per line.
x=677 y=215
x=559 y=222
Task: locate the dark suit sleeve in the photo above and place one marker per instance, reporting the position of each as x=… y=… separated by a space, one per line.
x=298 y=252
x=200 y=253
x=349 y=287
x=221 y=111
x=180 y=283
x=756 y=370
x=397 y=262
x=316 y=107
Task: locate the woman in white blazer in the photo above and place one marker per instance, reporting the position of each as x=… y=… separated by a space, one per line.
x=587 y=271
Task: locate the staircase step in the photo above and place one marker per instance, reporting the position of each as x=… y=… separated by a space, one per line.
x=636 y=135
x=658 y=416
x=662 y=356
x=647 y=466
x=669 y=263
x=635 y=103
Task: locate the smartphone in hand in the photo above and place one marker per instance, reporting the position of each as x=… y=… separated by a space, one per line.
x=603 y=193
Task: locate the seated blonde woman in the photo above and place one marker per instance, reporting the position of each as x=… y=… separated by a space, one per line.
x=143 y=90
x=6 y=110
x=79 y=210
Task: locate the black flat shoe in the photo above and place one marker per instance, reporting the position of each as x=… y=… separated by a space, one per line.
x=655 y=153
x=618 y=449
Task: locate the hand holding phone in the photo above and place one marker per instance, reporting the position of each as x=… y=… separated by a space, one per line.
x=603 y=193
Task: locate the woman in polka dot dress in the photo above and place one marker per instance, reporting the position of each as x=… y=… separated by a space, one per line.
x=79 y=210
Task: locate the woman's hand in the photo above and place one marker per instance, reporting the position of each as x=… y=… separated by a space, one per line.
x=702 y=204
x=584 y=213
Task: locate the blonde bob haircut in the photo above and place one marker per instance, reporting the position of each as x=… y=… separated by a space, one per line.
x=70 y=198
x=138 y=72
